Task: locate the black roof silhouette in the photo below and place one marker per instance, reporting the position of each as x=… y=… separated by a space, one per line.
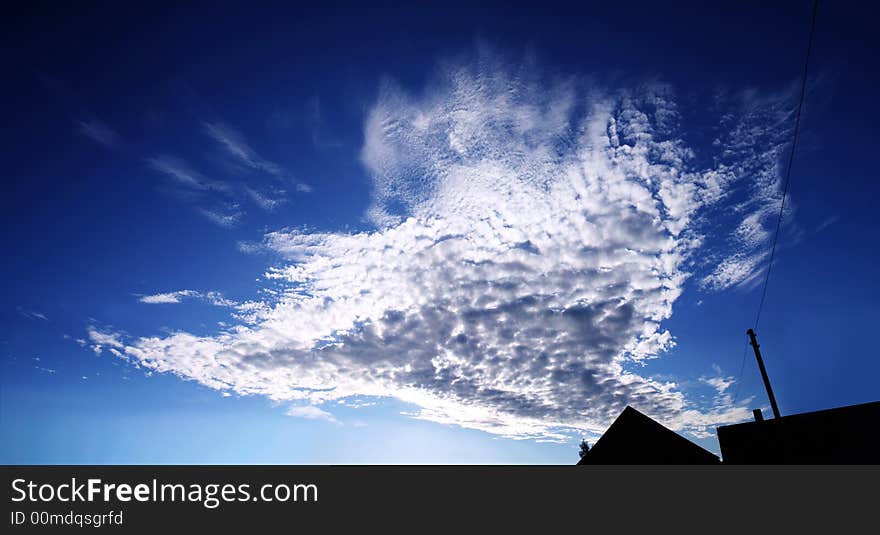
x=634 y=438
x=845 y=435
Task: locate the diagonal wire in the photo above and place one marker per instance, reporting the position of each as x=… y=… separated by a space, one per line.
x=797 y=125
x=742 y=368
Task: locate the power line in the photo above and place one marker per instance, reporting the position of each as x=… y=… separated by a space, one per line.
x=742 y=368
x=797 y=124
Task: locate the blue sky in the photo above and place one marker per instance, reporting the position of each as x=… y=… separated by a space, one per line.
x=447 y=234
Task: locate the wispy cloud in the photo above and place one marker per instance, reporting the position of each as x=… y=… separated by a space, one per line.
x=322 y=138
x=100 y=133
x=311 y=412
x=224 y=219
x=827 y=222
x=32 y=314
x=266 y=201
x=216 y=200
x=530 y=238
x=181 y=171
x=752 y=140
x=236 y=146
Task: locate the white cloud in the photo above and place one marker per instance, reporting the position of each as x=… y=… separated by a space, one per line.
x=247 y=312
x=720 y=384
x=753 y=140
x=311 y=412
x=738 y=269
x=102 y=339
x=167 y=298
x=532 y=236
x=248 y=247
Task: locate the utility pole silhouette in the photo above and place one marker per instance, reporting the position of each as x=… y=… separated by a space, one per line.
x=754 y=341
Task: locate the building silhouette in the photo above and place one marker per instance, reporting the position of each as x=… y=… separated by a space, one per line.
x=845 y=435
x=634 y=438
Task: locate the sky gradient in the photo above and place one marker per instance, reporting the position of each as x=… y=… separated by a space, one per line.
x=446 y=234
